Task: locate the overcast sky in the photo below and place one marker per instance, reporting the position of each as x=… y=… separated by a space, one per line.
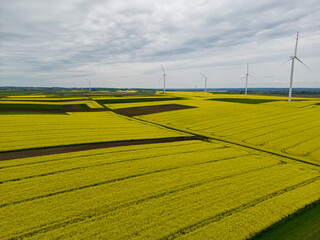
x=118 y=43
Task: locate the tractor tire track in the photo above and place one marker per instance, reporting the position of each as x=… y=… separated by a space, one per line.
x=108 y=210
x=218 y=217
x=120 y=179
x=100 y=164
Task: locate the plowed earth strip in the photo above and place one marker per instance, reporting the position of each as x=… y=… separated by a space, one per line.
x=137 y=111
x=90 y=146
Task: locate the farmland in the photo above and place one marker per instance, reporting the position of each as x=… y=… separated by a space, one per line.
x=255 y=162
x=266 y=123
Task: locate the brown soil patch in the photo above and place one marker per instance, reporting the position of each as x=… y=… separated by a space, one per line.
x=77 y=108
x=136 y=111
x=83 y=147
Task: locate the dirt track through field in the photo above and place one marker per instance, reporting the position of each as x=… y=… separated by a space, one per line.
x=89 y=146
x=137 y=111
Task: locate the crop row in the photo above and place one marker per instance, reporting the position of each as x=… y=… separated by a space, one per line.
x=58 y=182
x=94 y=180
x=165 y=215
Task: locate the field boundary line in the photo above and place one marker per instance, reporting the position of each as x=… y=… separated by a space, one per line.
x=249 y=146
x=285 y=220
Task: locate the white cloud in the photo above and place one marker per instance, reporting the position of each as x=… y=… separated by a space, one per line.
x=123 y=43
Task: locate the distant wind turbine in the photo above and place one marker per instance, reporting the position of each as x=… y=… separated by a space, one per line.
x=89 y=85
x=292 y=66
x=205 y=83
x=247 y=76
x=164 y=80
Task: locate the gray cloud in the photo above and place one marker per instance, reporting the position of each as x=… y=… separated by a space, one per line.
x=123 y=43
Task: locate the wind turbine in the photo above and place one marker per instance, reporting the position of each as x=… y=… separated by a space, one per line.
x=292 y=58
x=205 y=83
x=164 y=80
x=247 y=76
x=89 y=85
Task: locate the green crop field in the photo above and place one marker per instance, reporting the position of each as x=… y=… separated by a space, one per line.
x=230 y=167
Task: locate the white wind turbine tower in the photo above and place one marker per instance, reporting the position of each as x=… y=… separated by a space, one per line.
x=205 y=83
x=292 y=66
x=89 y=84
x=164 y=80
x=247 y=76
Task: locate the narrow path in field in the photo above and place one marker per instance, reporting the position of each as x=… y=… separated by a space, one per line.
x=87 y=146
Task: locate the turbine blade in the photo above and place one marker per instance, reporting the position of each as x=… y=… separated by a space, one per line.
x=163 y=70
x=285 y=62
x=302 y=62
x=161 y=78
x=203 y=75
x=251 y=75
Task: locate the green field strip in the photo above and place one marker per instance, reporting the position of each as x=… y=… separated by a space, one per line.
x=255 y=219
x=41 y=170
x=206 y=200
x=162 y=191
x=26 y=190
x=104 y=151
x=301 y=225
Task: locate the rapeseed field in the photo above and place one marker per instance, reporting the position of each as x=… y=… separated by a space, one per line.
x=254 y=162
x=269 y=123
